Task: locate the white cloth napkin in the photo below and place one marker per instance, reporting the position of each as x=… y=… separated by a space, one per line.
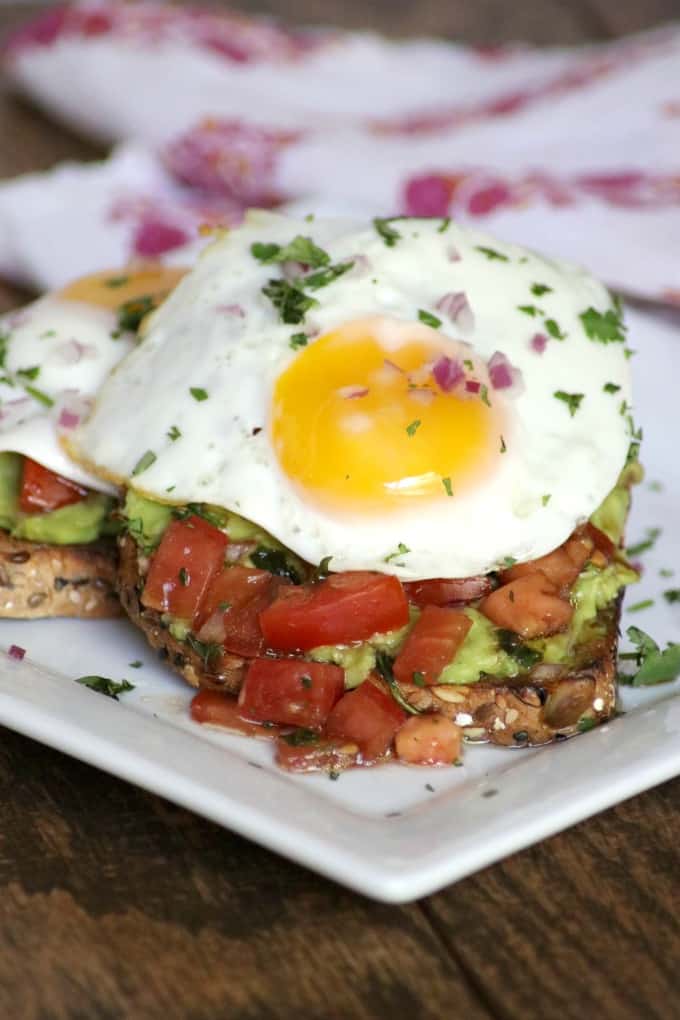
x=572 y=151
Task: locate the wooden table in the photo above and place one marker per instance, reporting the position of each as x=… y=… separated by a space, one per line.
x=116 y=904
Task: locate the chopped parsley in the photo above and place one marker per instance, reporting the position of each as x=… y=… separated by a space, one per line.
x=116 y=281
x=102 y=685
x=301 y=737
x=325 y=276
x=37 y=394
x=184 y=577
x=173 y=433
x=491 y=253
x=446 y=482
x=418 y=679
x=389 y=235
x=611 y=387
x=509 y=561
x=503 y=445
x=324 y=569
x=554 y=330
x=484 y=394
x=531 y=310
x=654 y=665
x=644 y=544
x=666 y=572
x=144 y=462
x=131 y=313
x=638 y=606
x=291 y=302
x=413 y=427
x=512 y=644
x=672 y=595
x=276 y=562
x=401 y=550
x=444 y=225
x=198 y=393
x=298 y=340
x=4 y=341
x=545 y=499
x=206 y=650
x=585 y=723
x=137 y=664
x=604 y=327
x=300 y=249
x=29 y=373
x=429 y=319
x=539 y=289
x=383 y=664
x=572 y=400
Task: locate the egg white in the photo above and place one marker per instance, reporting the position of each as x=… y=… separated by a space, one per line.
x=217 y=332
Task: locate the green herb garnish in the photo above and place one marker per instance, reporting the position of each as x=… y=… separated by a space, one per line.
x=389 y=235
x=491 y=253
x=531 y=310
x=654 y=665
x=413 y=427
x=572 y=400
x=645 y=544
x=539 y=289
x=291 y=302
x=511 y=644
x=300 y=249
x=672 y=595
x=198 y=393
x=325 y=276
x=605 y=327
x=103 y=685
x=611 y=387
x=444 y=225
x=206 y=650
x=418 y=679
x=585 y=723
x=545 y=499
x=383 y=664
x=131 y=313
x=400 y=551
x=298 y=340
x=144 y=462
x=428 y=319
x=448 y=489
x=29 y=373
x=554 y=330
x=301 y=737
x=276 y=562
x=173 y=433
x=484 y=394
x=638 y=606
x=37 y=394
x=323 y=570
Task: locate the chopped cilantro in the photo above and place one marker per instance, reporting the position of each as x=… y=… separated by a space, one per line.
x=413 y=427
x=137 y=664
x=102 y=685
x=554 y=330
x=116 y=281
x=672 y=595
x=418 y=679
x=446 y=482
x=4 y=341
x=531 y=310
x=144 y=462
x=37 y=394
x=323 y=570
x=444 y=225
x=291 y=302
x=184 y=577
x=539 y=289
x=512 y=644
x=605 y=327
x=173 y=433
x=400 y=551
x=300 y=249
x=298 y=340
x=585 y=723
x=638 y=606
x=572 y=400
x=389 y=235
x=503 y=445
x=276 y=562
x=484 y=394
x=131 y=313
x=611 y=387
x=654 y=665
x=206 y=650
x=509 y=561
x=325 y=276
x=429 y=319
x=666 y=572
x=29 y=373
x=383 y=664
x=198 y=393
x=301 y=737
x=468 y=364
x=545 y=499
x=491 y=253
x=644 y=544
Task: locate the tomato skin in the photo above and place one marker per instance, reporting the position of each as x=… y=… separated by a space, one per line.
x=218 y=709
x=531 y=606
x=192 y=546
x=322 y=755
x=441 y=591
x=291 y=692
x=345 y=607
x=432 y=644
x=367 y=716
x=428 y=740
x=42 y=490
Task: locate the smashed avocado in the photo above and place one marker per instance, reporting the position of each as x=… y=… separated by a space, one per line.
x=76 y=524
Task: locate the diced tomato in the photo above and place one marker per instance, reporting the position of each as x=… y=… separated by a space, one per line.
x=291 y=692
x=42 y=490
x=343 y=608
x=367 y=716
x=564 y=564
x=601 y=541
x=230 y=612
x=191 y=552
x=530 y=605
x=231 y=589
x=321 y=754
x=445 y=592
x=428 y=740
x=223 y=710
x=432 y=644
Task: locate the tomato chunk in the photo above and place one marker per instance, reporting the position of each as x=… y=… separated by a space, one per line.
x=530 y=605
x=191 y=552
x=218 y=709
x=42 y=490
x=291 y=692
x=445 y=592
x=343 y=608
x=367 y=716
x=320 y=755
x=432 y=644
x=564 y=564
x=428 y=740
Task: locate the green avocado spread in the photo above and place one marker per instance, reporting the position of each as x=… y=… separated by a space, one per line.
x=77 y=524
x=486 y=651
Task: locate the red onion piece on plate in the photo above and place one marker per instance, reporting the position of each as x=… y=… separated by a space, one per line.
x=447 y=373
x=457 y=307
x=539 y=342
x=16 y=652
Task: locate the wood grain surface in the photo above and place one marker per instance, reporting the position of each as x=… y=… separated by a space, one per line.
x=115 y=904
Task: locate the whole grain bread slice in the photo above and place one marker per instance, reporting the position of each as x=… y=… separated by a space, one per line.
x=41 y=580
x=546 y=704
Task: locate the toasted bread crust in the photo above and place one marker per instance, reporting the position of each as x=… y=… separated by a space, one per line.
x=40 y=580
x=549 y=703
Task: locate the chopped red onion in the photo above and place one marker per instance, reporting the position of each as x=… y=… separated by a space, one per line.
x=539 y=342
x=362 y=265
x=74 y=409
x=472 y=386
x=502 y=375
x=457 y=307
x=353 y=392
x=16 y=652
x=447 y=373
x=453 y=253
x=67 y=419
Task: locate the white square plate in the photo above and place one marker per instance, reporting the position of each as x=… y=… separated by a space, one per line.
x=393 y=833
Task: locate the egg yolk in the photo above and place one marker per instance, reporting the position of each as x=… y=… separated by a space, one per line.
x=114 y=288
x=359 y=421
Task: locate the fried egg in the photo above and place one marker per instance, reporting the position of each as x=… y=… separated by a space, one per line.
x=404 y=395
x=56 y=353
